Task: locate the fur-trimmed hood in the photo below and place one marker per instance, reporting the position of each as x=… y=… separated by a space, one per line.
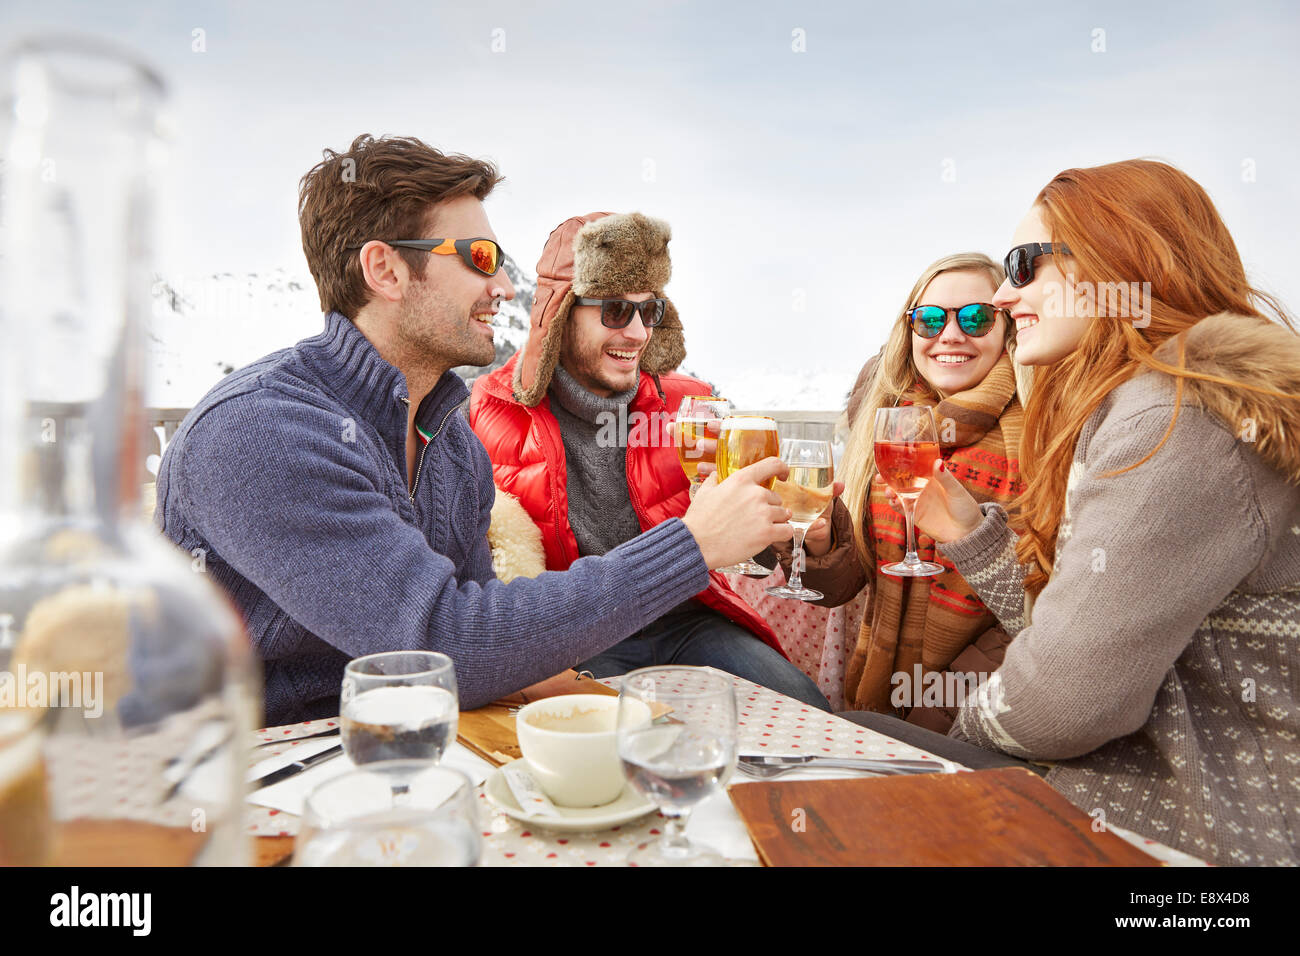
x=1253 y=350
x=602 y=255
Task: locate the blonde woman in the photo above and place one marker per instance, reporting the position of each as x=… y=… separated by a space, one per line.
x=949 y=348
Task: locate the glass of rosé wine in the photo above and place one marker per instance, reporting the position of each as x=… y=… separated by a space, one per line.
x=907 y=446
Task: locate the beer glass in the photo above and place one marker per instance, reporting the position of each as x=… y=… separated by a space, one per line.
x=744 y=440
x=806 y=492
x=686 y=755
x=391 y=813
x=399 y=705
x=907 y=445
x=693 y=417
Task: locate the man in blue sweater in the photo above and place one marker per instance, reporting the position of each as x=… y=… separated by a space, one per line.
x=339 y=496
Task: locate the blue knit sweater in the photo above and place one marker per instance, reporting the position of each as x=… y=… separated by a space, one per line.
x=290 y=476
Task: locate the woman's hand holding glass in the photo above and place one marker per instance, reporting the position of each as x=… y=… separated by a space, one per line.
x=818 y=539
x=944 y=511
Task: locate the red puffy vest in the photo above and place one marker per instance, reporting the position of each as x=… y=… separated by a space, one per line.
x=528 y=461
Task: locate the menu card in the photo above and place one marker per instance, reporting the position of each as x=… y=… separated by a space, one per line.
x=1004 y=817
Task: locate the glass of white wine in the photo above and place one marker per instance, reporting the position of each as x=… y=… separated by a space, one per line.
x=806 y=492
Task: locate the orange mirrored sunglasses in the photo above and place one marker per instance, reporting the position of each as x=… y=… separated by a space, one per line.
x=482 y=255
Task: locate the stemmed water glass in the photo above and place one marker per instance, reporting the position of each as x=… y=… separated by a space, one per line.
x=685 y=755
x=399 y=705
x=806 y=492
x=907 y=446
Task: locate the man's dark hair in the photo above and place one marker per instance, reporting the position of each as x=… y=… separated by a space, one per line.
x=379 y=189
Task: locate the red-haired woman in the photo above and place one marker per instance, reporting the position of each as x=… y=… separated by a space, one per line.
x=1152 y=579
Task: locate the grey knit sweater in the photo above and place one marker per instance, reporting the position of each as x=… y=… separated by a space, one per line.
x=600 y=508
x=1159 y=667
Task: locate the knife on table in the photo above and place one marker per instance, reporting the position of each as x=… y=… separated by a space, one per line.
x=878 y=764
x=295 y=768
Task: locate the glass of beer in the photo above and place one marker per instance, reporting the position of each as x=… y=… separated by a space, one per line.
x=399 y=705
x=907 y=446
x=806 y=493
x=693 y=419
x=744 y=440
x=391 y=813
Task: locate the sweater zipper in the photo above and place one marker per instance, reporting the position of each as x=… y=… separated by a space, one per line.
x=419 y=465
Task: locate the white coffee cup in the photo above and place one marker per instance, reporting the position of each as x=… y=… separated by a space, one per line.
x=570 y=745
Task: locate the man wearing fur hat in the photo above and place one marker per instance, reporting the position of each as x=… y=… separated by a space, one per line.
x=599 y=362
x=336 y=492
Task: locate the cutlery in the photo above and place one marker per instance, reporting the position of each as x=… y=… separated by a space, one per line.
x=179 y=776
x=297 y=767
x=176 y=769
x=766 y=766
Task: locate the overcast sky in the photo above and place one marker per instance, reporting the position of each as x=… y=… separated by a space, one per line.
x=806 y=155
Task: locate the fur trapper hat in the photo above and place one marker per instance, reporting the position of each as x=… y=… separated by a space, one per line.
x=601 y=255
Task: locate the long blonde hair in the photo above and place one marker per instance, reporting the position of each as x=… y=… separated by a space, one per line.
x=894 y=375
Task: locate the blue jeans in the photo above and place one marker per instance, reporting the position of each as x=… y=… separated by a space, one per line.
x=700 y=637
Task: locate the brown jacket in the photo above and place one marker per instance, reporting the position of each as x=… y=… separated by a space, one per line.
x=840 y=576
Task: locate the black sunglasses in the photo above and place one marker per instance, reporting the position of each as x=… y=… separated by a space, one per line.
x=976 y=319
x=481 y=255
x=1019 y=262
x=617 y=313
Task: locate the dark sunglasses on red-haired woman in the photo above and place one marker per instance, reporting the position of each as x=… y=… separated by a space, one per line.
x=1019 y=262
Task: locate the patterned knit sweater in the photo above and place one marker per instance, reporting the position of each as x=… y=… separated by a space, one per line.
x=1160 y=666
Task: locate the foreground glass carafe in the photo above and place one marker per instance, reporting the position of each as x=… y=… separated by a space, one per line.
x=127 y=686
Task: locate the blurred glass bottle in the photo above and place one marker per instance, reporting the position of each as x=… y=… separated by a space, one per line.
x=127 y=686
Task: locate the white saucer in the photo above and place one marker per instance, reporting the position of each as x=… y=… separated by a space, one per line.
x=629 y=806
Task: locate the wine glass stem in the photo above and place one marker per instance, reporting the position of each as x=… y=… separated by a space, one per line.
x=675 y=831
x=909 y=507
x=796 y=566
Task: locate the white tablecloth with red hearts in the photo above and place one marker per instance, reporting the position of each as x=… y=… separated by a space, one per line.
x=818 y=640
x=767 y=721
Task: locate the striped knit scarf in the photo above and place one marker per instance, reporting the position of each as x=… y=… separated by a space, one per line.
x=929 y=621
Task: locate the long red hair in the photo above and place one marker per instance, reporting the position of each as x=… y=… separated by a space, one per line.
x=1135 y=221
